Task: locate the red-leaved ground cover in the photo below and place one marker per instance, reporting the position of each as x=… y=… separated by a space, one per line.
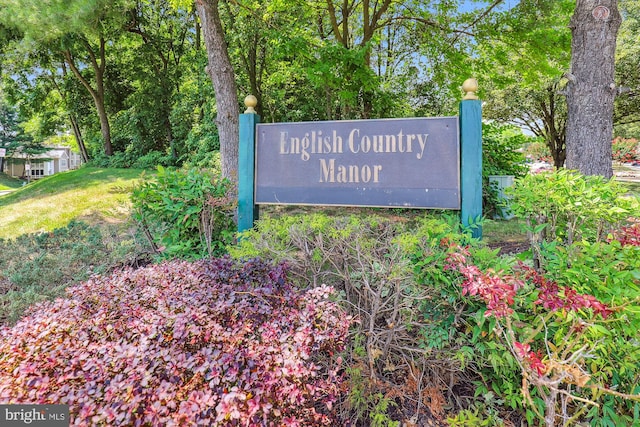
x=212 y=342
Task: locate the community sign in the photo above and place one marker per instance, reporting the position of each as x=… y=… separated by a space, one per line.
x=411 y=162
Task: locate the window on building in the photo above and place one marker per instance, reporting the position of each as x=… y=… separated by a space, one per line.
x=37 y=169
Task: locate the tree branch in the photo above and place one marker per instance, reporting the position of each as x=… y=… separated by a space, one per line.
x=69 y=59
x=334 y=21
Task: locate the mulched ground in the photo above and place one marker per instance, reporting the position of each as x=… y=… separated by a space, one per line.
x=510 y=247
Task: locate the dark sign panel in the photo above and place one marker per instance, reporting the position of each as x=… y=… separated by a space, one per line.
x=391 y=162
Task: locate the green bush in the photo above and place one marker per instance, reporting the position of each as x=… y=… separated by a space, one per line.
x=476 y=418
x=457 y=325
x=564 y=207
x=501 y=155
x=502 y=150
x=625 y=150
x=152 y=160
x=128 y=159
x=119 y=159
x=572 y=327
x=582 y=244
x=185 y=214
x=38 y=267
x=610 y=271
x=413 y=327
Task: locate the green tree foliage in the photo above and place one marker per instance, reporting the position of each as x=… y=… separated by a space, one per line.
x=10 y=132
x=303 y=60
x=142 y=66
x=502 y=150
x=151 y=57
x=13 y=138
x=39 y=83
x=501 y=155
x=155 y=57
x=525 y=54
x=70 y=29
x=627 y=107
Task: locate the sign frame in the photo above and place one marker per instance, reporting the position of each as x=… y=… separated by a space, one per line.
x=469 y=178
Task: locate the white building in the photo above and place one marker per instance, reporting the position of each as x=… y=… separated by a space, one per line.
x=57 y=159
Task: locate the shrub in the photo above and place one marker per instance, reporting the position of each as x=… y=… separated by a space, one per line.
x=389 y=276
x=564 y=207
x=209 y=343
x=185 y=214
x=119 y=159
x=461 y=338
x=152 y=160
x=625 y=150
x=584 y=251
x=610 y=271
x=36 y=267
x=130 y=159
x=577 y=355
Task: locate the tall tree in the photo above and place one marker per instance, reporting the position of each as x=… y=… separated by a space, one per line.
x=79 y=30
x=222 y=76
x=524 y=51
x=36 y=81
x=97 y=62
x=591 y=89
x=539 y=109
x=9 y=130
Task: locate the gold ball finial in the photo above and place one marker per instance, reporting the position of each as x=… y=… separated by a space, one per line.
x=470 y=87
x=250 y=102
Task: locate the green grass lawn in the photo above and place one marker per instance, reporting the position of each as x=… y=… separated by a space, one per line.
x=95 y=194
x=512 y=230
x=634 y=187
x=8 y=183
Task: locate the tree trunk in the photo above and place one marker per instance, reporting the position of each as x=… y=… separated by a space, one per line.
x=79 y=140
x=591 y=88
x=72 y=118
x=554 y=124
x=98 y=92
x=99 y=96
x=105 y=128
x=224 y=85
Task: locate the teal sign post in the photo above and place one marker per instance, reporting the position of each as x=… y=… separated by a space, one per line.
x=471 y=164
x=412 y=163
x=247 y=208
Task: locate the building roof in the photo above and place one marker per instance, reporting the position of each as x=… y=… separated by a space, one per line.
x=52 y=153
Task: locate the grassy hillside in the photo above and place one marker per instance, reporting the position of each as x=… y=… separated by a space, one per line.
x=8 y=183
x=49 y=203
